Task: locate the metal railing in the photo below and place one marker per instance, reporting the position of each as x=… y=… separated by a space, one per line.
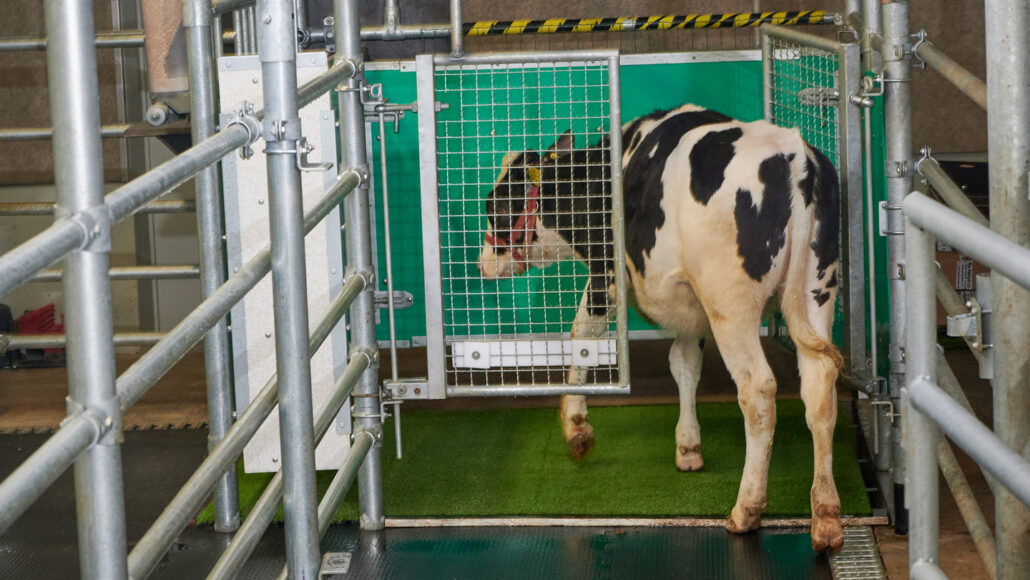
x=81 y=236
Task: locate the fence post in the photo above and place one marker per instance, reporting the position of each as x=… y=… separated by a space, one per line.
x=277 y=39
x=1008 y=117
x=78 y=174
x=359 y=258
x=897 y=77
x=197 y=20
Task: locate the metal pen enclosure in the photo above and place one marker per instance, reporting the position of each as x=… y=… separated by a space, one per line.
x=486 y=337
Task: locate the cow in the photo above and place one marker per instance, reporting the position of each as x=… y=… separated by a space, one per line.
x=721 y=216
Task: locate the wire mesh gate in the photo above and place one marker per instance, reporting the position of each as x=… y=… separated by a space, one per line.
x=812 y=83
x=511 y=336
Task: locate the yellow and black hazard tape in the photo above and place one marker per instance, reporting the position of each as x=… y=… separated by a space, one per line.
x=627 y=23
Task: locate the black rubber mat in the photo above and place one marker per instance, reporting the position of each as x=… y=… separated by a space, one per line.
x=42 y=543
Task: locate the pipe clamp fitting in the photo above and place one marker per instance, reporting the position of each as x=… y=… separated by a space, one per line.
x=95 y=223
x=245 y=117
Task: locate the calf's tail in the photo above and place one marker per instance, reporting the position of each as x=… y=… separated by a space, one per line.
x=823 y=211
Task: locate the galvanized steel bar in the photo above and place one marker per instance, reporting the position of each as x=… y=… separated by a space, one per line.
x=47 y=208
x=245 y=540
x=142 y=375
x=949 y=191
x=872 y=21
x=17 y=266
x=968 y=507
x=921 y=496
x=358 y=237
x=457 y=34
x=926 y=571
x=219 y=7
x=79 y=179
x=963 y=80
x=1008 y=151
x=44 y=133
x=36 y=474
x=191 y=497
x=112 y=39
x=197 y=21
x=898 y=151
x=991 y=249
x=341 y=70
x=159 y=272
x=277 y=52
x=825 y=44
x=531 y=391
x=975 y=438
x=39 y=341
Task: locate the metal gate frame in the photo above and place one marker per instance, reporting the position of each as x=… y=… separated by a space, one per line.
x=848 y=162
x=438 y=387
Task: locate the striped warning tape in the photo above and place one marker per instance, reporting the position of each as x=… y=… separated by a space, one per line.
x=732 y=20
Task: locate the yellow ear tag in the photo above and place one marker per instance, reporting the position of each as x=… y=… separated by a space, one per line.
x=534 y=175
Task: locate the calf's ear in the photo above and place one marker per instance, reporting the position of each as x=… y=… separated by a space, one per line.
x=563 y=146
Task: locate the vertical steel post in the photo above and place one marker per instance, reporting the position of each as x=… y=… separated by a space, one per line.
x=277 y=40
x=197 y=19
x=1008 y=141
x=457 y=30
x=897 y=109
x=78 y=175
x=871 y=16
x=922 y=433
x=358 y=232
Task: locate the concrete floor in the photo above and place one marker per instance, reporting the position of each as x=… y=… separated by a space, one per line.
x=32 y=400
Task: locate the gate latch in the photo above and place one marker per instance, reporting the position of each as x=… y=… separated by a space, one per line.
x=821 y=97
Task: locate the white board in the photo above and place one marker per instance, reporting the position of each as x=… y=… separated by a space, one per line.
x=247 y=232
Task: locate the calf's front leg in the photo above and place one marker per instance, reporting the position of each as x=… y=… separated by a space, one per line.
x=591 y=321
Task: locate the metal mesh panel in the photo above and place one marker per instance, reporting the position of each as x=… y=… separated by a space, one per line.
x=803 y=93
x=516 y=331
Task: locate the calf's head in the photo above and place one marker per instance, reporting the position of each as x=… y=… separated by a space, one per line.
x=516 y=235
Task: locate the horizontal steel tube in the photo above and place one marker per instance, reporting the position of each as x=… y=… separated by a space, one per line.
x=527 y=57
x=42 y=133
x=963 y=80
x=973 y=437
x=949 y=191
x=138 y=378
x=114 y=39
x=47 y=207
x=924 y=570
x=21 y=341
x=987 y=247
x=182 y=272
x=317 y=86
x=226 y=6
x=260 y=517
x=37 y=473
x=125 y=200
x=792 y=35
x=542 y=391
x=38 y=252
x=190 y=498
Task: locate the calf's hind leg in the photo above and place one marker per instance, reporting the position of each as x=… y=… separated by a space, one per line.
x=685 y=365
x=756 y=393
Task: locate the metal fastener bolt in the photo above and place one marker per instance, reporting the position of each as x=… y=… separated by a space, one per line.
x=254 y=80
x=402 y=390
x=275 y=460
x=268 y=335
x=475 y=355
x=268 y=19
x=975 y=344
x=261 y=202
x=418 y=391
x=584 y=353
x=108 y=421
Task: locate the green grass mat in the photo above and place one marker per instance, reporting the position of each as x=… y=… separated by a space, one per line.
x=514 y=462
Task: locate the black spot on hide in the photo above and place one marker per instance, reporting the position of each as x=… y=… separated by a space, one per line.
x=643 y=179
x=708 y=160
x=826 y=196
x=761 y=231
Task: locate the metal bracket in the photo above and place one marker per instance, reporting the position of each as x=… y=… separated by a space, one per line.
x=244 y=116
x=329 y=25
x=303 y=148
x=95 y=223
x=900 y=168
x=335 y=565
x=984 y=302
x=281 y=129
x=921 y=36
x=401 y=299
x=819 y=97
x=408 y=388
x=892 y=220
x=968 y=325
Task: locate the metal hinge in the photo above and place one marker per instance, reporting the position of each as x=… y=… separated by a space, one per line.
x=401 y=299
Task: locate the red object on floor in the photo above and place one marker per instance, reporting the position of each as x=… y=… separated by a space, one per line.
x=42 y=321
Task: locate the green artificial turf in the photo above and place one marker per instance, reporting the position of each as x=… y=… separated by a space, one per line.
x=514 y=462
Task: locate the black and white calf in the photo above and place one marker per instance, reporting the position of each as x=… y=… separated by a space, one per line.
x=721 y=216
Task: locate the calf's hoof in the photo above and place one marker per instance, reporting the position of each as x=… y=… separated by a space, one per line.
x=744 y=519
x=689 y=458
x=827 y=533
x=581 y=442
